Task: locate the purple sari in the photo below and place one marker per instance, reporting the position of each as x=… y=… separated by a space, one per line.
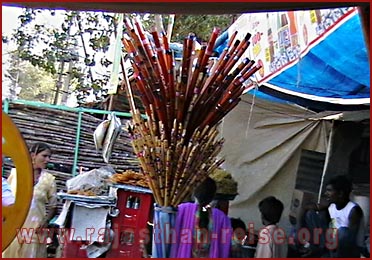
x=185 y=222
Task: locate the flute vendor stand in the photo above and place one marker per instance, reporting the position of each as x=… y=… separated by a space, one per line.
x=130 y=226
x=86 y=226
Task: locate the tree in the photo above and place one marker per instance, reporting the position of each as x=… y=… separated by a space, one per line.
x=78 y=40
x=34 y=83
x=200 y=25
x=82 y=39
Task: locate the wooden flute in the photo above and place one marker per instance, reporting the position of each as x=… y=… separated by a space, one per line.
x=177 y=144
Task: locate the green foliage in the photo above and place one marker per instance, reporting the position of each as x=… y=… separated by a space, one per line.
x=201 y=25
x=80 y=38
x=36 y=84
x=46 y=47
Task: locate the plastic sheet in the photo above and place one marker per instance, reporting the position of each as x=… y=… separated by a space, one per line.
x=106 y=134
x=100 y=133
x=95 y=181
x=112 y=134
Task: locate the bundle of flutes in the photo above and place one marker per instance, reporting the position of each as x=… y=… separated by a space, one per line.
x=177 y=144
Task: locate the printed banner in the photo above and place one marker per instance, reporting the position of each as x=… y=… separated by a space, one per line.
x=279 y=39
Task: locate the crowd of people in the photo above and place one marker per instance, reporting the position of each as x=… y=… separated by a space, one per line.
x=227 y=237
x=214 y=234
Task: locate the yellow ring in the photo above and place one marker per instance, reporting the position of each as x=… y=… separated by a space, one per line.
x=15 y=147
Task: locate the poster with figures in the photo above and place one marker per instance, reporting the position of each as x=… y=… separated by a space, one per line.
x=279 y=39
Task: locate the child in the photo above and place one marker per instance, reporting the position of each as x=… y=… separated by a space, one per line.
x=271 y=239
x=238 y=247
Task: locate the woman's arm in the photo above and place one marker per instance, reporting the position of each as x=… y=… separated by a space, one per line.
x=52 y=212
x=52 y=201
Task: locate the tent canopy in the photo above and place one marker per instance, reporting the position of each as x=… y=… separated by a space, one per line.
x=315 y=58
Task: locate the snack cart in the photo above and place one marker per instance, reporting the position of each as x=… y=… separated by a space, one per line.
x=110 y=225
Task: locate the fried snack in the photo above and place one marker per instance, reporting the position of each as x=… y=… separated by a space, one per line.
x=73 y=192
x=89 y=193
x=130 y=177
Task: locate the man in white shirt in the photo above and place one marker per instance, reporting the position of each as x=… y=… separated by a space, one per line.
x=346 y=218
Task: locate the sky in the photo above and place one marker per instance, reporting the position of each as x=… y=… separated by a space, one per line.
x=10 y=19
x=9 y=16
x=9 y=23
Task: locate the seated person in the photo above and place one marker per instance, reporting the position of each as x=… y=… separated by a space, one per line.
x=346 y=218
x=344 y=236
x=316 y=222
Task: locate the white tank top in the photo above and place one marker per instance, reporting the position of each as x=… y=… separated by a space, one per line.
x=340 y=218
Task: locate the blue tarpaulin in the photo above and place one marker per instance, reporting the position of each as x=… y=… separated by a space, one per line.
x=332 y=74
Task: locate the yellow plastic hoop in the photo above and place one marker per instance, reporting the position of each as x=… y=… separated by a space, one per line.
x=15 y=147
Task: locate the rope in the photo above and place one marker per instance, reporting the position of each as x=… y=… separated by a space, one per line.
x=250 y=112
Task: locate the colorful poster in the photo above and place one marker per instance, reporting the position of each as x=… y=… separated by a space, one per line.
x=280 y=39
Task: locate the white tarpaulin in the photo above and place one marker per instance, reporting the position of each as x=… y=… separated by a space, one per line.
x=262 y=151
